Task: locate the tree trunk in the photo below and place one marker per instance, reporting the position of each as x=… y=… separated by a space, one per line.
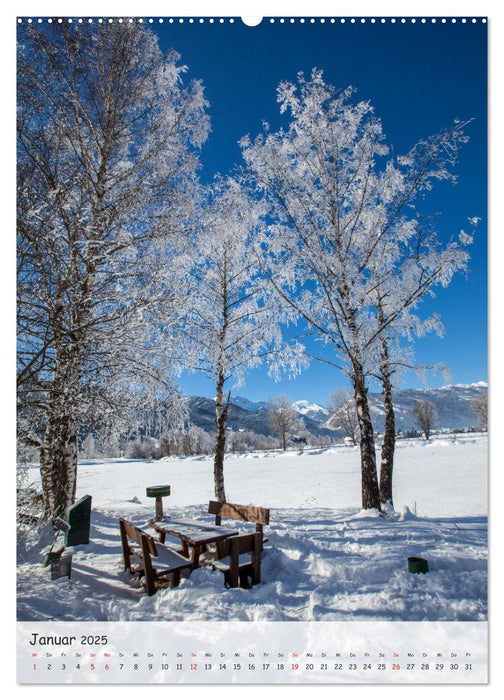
x=58 y=456
x=221 y=413
x=370 y=491
x=58 y=465
x=388 y=447
x=65 y=467
x=46 y=470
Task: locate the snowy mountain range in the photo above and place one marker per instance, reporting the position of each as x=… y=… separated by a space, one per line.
x=252 y=415
x=453 y=406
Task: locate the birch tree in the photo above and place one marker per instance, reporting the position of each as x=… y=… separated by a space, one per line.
x=227 y=320
x=108 y=134
x=339 y=206
x=404 y=271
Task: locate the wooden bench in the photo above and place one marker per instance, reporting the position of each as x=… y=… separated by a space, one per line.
x=155 y=561
x=251 y=514
x=238 y=570
x=132 y=557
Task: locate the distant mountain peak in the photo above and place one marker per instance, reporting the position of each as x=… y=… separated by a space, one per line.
x=483 y=385
x=247 y=404
x=304 y=405
x=313 y=411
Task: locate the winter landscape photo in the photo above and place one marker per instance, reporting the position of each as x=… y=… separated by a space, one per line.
x=251 y=320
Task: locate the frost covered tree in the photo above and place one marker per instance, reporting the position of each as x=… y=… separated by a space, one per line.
x=108 y=134
x=426 y=416
x=341 y=407
x=403 y=273
x=226 y=323
x=343 y=222
x=479 y=406
x=283 y=418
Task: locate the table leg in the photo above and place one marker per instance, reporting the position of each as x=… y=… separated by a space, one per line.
x=159 y=508
x=196 y=555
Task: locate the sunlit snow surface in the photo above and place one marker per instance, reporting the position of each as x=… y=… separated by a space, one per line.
x=325 y=558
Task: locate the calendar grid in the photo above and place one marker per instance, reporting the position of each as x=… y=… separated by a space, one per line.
x=265 y=652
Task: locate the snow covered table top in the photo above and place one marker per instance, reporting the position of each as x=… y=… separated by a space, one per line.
x=192 y=534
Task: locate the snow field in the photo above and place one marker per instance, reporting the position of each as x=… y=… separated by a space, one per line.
x=325 y=559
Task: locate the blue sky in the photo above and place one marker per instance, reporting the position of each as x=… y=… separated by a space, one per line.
x=418 y=77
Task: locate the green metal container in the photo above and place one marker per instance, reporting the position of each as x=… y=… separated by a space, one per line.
x=155 y=491
x=417 y=565
x=79 y=519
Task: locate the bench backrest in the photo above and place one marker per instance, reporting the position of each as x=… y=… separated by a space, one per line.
x=242 y=544
x=128 y=530
x=239 y=544
x=164 y=556
x=251 y=514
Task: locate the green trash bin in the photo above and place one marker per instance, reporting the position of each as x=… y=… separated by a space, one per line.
x=79 y=521
x=417 y=565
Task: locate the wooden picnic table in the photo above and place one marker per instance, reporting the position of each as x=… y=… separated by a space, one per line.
x=192 y=533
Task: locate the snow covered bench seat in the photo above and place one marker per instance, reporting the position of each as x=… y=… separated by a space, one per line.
x=157 y=562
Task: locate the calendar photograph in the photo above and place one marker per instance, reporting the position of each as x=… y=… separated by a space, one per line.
x=252 y=385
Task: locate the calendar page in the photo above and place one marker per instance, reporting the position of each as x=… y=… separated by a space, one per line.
x=251 y=370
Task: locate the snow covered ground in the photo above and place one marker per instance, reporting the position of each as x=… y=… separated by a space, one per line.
x=325 y=559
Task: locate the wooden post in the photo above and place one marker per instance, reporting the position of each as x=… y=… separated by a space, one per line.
x=234 y=563
x=256 y=558
x=148 y=570
x=125 y=546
